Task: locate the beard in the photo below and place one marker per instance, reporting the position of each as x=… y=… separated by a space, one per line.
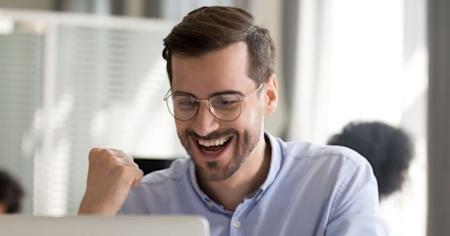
x=213 y=170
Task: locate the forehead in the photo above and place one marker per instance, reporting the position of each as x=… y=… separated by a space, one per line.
x=215 y=71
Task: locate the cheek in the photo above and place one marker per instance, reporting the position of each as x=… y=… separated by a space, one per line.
x=251 y=115
x=180 y=126
x=249 y=120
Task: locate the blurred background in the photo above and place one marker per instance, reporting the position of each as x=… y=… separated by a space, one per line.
x=81 y=73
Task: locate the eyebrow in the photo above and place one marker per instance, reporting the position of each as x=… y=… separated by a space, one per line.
x=183 y=93
x=226 y=92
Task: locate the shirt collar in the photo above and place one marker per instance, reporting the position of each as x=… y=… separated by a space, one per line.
x=275 y=161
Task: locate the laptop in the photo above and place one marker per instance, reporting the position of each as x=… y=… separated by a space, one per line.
x=15 y=225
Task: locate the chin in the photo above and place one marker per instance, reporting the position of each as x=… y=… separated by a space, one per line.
x=216 y=171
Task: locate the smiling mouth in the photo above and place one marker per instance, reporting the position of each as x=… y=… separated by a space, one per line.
x=213 y=146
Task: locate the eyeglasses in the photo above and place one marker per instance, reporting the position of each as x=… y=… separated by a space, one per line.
x=224 y=107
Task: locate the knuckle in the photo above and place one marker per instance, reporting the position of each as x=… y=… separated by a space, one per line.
x=106 y=155
x=120 y=170
x=102 y=156
x=105 y=152
x=93 y=152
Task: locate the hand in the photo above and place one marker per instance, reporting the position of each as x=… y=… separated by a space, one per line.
x=111 y=175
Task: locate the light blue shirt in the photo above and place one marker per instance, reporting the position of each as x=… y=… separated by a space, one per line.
x=309 y=190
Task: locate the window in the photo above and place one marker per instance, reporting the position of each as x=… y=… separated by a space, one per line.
x=366 y=61
x=73 y=82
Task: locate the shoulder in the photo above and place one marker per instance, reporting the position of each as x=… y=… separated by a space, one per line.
x=324 y=164
x=342 y=171
x=336 y=184
x=178 y=170
x=308 y=153
x=159 y=189
x=299 y=160
x=160 y=184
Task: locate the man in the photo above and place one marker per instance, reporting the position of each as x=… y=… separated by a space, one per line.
x=242 y=179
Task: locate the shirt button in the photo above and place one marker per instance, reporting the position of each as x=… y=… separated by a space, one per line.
x=237 y=224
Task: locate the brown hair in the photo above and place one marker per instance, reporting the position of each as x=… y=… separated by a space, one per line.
x=211 y=28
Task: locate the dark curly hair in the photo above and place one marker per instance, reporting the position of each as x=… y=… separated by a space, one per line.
x=388 y=150
x=11 y=193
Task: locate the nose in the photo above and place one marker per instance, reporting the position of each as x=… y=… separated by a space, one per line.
x=204 y=121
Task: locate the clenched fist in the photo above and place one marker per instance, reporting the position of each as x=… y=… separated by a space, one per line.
x=110 y=177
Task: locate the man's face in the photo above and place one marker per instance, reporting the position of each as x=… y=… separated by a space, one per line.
x=219 y=148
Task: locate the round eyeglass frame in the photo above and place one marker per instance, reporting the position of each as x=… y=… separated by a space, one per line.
x=211 y=107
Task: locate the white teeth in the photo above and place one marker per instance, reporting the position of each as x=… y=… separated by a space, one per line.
x=213 y=142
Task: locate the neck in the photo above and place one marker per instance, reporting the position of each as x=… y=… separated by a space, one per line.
x=233 y=190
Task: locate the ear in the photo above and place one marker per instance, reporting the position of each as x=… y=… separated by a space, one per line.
x=271 y=94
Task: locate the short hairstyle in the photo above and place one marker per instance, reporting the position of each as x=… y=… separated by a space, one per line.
x=211 y=28
x=388 y=150
x=11 y=193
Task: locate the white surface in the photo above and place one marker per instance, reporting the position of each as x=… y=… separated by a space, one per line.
x=108 y=226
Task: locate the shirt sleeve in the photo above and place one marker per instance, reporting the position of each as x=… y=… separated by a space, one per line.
x=355 y=210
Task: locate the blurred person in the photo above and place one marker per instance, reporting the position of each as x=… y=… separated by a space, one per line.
x=11 y=194
x=239 y=177
x=388 y=149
